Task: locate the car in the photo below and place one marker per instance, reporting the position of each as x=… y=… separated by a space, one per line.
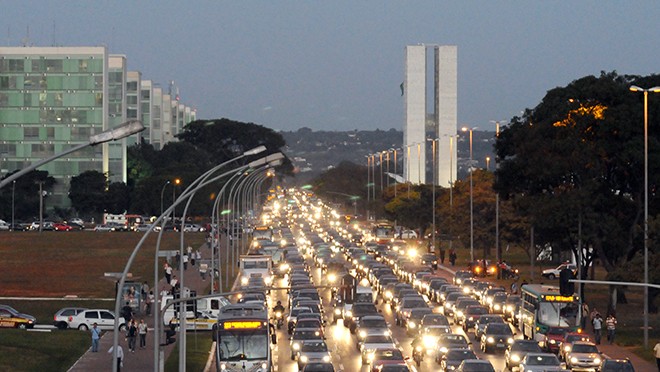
x=475 y=365
x=512 y=309
x=552 y=339
x=104 y=228
x=554 y=273
x=569 y=338
x=497 y=305
x=616 y=365
x=191 y=227
x=62 y=317
x=393 y=367
x=414 y=319
x=301 y=335
x=12 y=318
x=4 y=226
x=57 y=226
x=583 y=355
x=371 y=324
x=385 y=356
x=496 y=336
x=293 y=317
x=517 y=351
x=408 y=234
x=318 y=367
x=450 y=341
x=429 y=259
x=454 y=357
x=471 y=315
x=481 y=323
x=313 y=351
x=373 y=342
x=105 y=320
x=540 y=362
x=77 y=221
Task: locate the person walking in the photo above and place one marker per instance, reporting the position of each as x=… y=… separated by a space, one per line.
x=120 y=356
x=610 y=324
x=185 y=261
x=452 y=257
x=96 y=336
x=150 y=300
x=168 y=273
x=592 y=316
x=585 y=316
x=442 y=256
x=131 y=334
x=598 y=325
x=656 y=352
x=142 y=332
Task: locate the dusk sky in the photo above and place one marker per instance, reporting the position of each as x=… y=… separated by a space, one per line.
x=337 y=65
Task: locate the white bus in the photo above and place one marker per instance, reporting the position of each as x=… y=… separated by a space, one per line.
x=256 y=266
x=243 y=336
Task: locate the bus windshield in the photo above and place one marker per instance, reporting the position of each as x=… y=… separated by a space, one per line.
x=242 y=345
x=255 y=264
x=558 y=314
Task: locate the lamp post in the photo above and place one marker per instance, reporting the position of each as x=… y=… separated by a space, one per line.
x=465 y=129
x=488 y=163
x=13 y=188
x=162 y=192
x=433 y=181
x=498 y=250
x=176 y=183
x=124 y=130
x=635 y=88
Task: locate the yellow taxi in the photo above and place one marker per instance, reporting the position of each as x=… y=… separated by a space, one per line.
x=11 y=318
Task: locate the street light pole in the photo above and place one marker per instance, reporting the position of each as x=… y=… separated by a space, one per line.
x=635 y=88
x=13 y=187
x=162 y=192
x=471 y=199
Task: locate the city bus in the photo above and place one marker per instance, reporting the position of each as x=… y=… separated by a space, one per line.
x=383 y=232
x=243 y=336
x=543 y=307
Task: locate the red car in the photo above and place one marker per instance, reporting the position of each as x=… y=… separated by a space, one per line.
x=553 y=338
x=62 y=227
x=386 y=356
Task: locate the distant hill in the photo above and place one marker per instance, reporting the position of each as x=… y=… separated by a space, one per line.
x=313 y=152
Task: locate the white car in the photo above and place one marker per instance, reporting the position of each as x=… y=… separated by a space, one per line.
x=373 y=342
x=554 y=273
x=4 y=226
x=540 y=362
x=408 y=234
x=191 y=227
x=105 y=320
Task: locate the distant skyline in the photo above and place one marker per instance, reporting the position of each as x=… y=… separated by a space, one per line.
x=338 y=65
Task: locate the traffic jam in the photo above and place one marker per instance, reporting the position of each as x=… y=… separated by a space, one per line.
x=345 y=296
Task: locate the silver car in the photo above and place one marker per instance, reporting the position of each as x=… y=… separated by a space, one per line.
x=583 y=355
x=539 y=362
x=312 y=351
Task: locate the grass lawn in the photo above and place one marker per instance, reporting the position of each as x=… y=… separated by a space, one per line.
x=56 y=264
x=198 y=346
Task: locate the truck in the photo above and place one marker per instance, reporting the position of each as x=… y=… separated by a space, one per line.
x=256 y=265
x=201 y=313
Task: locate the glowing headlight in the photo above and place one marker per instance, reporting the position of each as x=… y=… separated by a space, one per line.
x=574 y=360
x=223 y=366
x=296 y=346
x=443 y=350
x=255 y=243
x=509 y=308
x=244 y=280
x=471 y=319
x=509 y=340
x=418 y=348
x=268 y=280
x=459 y=314
x=337 y=311
x=348 y=313
x=567 y=348
x=263 y=366
x=332 y=278
x=362 y=334
x=388 y=294
x=490 y=340
x=435 y=262
x=304 y=359
x=597 y=360
x=552 y=342
x=371 y=357
x=466 y=290
x=326 y=358
x=412 y=324
x=284 y=267
x=497 y=306
x=387 y=333
x=429 y=341
x=515 y=358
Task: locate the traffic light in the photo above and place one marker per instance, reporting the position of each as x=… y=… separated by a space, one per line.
x=566 y=288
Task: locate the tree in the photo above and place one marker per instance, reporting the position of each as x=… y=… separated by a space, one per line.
x=87 y=192
x=576 y=159
x=26 y=195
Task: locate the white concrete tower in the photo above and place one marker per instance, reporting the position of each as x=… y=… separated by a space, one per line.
x=446 y=98
x=414 y=141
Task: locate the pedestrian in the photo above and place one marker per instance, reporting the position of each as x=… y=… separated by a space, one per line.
x=198 y=255
x=145 y=289
x=142 y=332
x=149 y=301
x=656 y=351
x=598 y=325
x=592 y=316
x=452 y=257
x=185 y=261
x=96 y=336
x=189 y=250
x=168 y=272
x=174 y=282
x=514 y=288
x=442 y=256
x=177 y=259
x=120 y=356
x=131 y=334
x=610 y=324
x=585 y=316
x=127 y=312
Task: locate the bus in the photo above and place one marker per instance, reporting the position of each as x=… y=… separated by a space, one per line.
x=255 y=265
x=383 y=232
x=543 y=307
x=243 y=336
x=262 y=233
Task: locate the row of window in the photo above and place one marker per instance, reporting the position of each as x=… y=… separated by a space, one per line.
x=52 y=82
x=82 y=99
x=51 y=65
x=46 y=134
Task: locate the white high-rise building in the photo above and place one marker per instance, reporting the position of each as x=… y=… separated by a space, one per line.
x=444 y=114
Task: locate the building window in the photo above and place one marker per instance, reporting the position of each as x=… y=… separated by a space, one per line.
x=31 y=133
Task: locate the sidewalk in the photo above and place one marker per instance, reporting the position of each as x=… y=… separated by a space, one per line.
x=141 y=359
x=611 y=351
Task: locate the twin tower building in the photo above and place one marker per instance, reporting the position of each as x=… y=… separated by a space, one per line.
x=430 y=131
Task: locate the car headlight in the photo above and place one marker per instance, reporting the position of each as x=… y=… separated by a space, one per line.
x=597 y=360
x=362 y=334
x=244 y=280
x=429 y=341
x=387 y=332
x=490 y=340
x=371 y=356
x=268 y=280
x=349 y=313
x=443 y=349
x=515 y=358
x=567 y=348
x=304 y=359
x=552 y=342
x=509 y=308
x=332 y=278
x=337 y=311
x=388 y=294
x=264 y=366
x=412 y=324
x=223 y=366
x=497 y=306
x=326 y=358
x=466 y=290
x=574 y=360
x=296 y=346
x=509 y=340
x=470 y=319
x=459 y=314
x=418 y=348
x=435 y=262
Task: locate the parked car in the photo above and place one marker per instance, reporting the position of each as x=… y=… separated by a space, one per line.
x=408 y=234
x=12 y=318
x=191 y=227
x=62 y=227
x=105 y=320
x=63 y=316
x=104 y=228
x=554 y=273
x=4 y=226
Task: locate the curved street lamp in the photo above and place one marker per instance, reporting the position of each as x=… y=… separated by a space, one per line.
x=466 y=129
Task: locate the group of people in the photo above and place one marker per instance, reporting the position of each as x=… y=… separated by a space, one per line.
x=188 y=256
x=597 y=323
x=134 y=329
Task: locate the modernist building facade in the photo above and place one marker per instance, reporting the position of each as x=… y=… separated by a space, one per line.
x=443 y=118
x=55 y=98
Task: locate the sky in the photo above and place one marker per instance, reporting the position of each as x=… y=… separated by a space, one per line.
x=338 y=65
